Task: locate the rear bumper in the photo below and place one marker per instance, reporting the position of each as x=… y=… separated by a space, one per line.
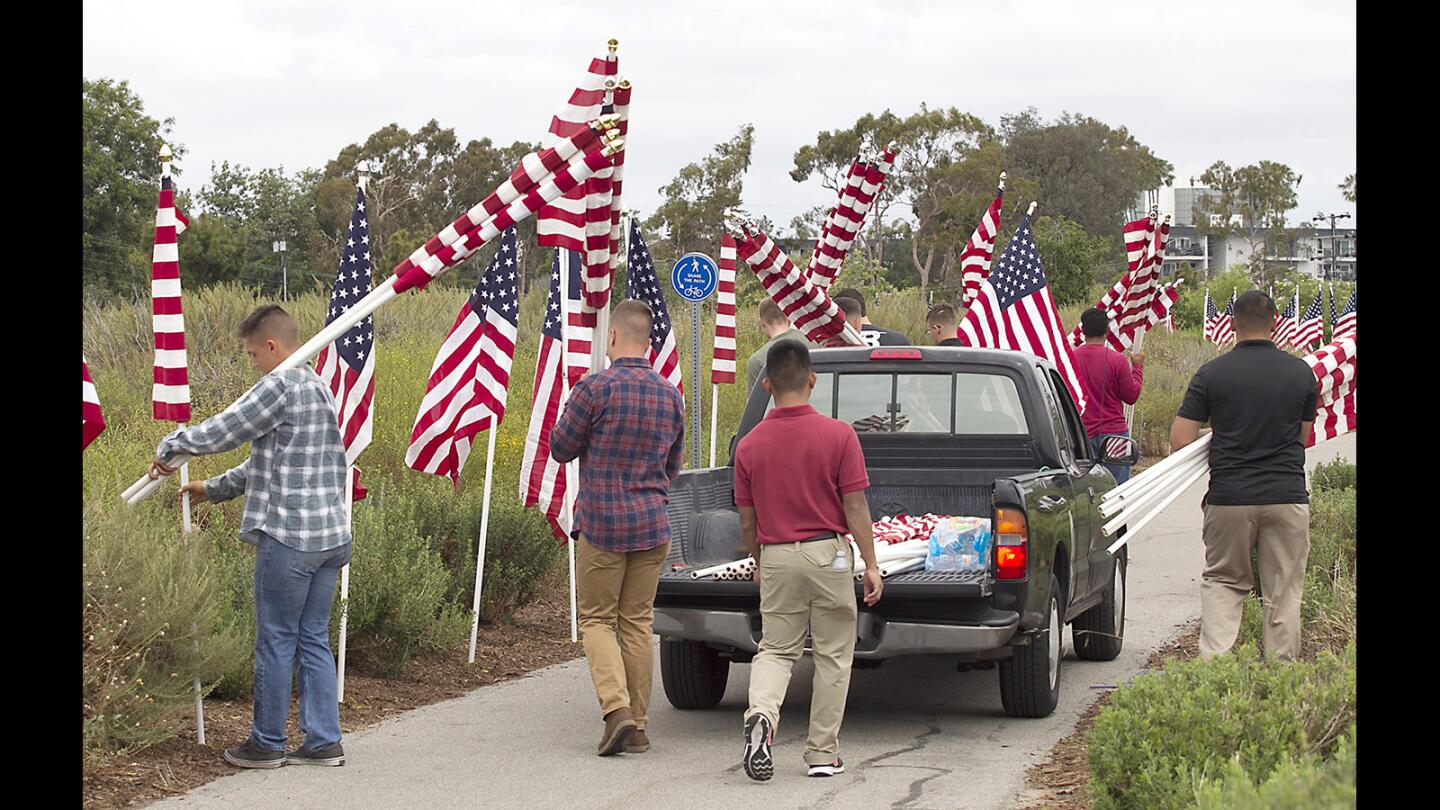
x=876 y=636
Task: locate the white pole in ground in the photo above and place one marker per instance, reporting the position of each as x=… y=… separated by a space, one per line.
x=573 y=476
x=480 y=548
x=186 y=525
x=714 y=418
x=345 y=586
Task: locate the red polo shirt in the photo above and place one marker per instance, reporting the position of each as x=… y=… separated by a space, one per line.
x=793 y=468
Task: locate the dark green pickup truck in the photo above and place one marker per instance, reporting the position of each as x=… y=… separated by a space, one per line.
x=949 y=431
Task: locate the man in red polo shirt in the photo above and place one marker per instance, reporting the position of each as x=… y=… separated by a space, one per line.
x=800 y=485
x=1110 y=383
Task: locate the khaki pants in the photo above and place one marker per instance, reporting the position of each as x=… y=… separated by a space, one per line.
x=799 y=590
x=618 y=590
x=1282 y=532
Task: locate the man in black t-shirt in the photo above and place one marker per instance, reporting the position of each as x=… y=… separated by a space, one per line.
x=872 y=334
x=1260 y=403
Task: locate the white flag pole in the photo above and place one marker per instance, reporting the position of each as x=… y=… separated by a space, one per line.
x=714 y=417
x=345 y=586
x=187 y=527
x=572 y=469
x=484 y=531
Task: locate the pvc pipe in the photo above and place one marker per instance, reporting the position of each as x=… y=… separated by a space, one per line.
x=733 y=565
x=1169 y=461
x=1130 y=534
x=480 y=549
x=1159 y=493
x=714 y=419
x=1159 y=484
x=345 y=587
x=901 y=566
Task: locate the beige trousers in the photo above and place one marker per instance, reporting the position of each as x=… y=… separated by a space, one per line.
x=801 y=589
x=1282 y=533
x=615 y=597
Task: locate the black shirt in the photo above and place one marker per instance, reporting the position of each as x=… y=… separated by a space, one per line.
x=880 y=336
x=1255 y=396
x=955 y=341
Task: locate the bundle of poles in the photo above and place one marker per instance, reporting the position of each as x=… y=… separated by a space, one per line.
x=1134 y=504
x=896 y=558
x=541 y=178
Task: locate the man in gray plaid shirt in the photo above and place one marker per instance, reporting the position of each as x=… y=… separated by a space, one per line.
x=294 y=487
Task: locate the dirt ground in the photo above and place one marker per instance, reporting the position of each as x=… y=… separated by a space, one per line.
x=538 y=637
x=1059 y=782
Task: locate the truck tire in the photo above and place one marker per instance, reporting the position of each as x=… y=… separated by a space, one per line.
x=1030 y=679
x=693 y=674
x=1100 y=631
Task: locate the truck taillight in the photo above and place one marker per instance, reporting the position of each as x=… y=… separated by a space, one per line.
x=1011 y=536
x=895 y=354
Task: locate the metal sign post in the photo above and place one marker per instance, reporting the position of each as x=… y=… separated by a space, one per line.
x=695 y=278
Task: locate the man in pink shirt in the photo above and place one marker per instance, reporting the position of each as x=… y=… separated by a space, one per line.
x=1110 y=383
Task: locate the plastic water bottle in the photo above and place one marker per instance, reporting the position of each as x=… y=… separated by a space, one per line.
x=840 y=563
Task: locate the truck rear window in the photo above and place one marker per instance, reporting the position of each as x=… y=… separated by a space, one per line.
x=962 y=403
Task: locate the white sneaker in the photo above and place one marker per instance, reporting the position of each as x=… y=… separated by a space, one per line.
x=833 y=769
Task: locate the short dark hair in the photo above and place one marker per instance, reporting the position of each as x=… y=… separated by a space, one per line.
x=851 y=292
x=850 y=307
x=770 y=312
x=787 y=366
x=941 y=315
x=272 y=322
x=1254 y=312
x=1094 y=322
x=633 y=318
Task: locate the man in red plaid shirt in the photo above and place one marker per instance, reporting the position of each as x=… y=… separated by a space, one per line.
x=626 y=424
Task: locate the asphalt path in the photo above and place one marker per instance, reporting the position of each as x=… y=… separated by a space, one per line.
x=917 y=733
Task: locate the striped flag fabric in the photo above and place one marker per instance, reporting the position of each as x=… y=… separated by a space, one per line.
x=1287 y=323
x=348 y=365
x=722 y=358
x=1015 y=310
x=544 y=482
x=1224 y=331
x=1334 y=368
x=975 y=258
x=92 y=421
x=170 y=393
x=1211 y=316
x=1133 y=316
x=1345 y=326
x=1161 y=307
x=865 y=182
x=642 y=283
x=1312 y=323
x=807 y=306
x=583 y=218
x=1138 y=235
x=470 y=378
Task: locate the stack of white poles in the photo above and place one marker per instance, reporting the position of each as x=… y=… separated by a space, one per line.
x=733 y=570
x=1133 y=504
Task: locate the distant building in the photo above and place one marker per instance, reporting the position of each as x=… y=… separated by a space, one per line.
x=1309 y=251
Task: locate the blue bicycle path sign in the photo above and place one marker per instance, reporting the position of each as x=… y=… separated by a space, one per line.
x=694 y=277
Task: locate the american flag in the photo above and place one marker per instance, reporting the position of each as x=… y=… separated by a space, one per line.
x=170 y=394
x=975 y=259
x=348 y=364
x=92 y=422
x=1286 y=325
x=1334 y=368
x=1211 y=316
x=722 y=361
x=1138 y=235
x=1224 y=330
x=543 y=481
x=1345 y=326
x=471 y=375
x=1118 y=447
x=1161 y=307
x=1014 y=310
x=582 y=219
x=864 y=183
x=1334 y=318
x=642 y=283
x=1312 y=325
x=804 y=303
x=1133 y=316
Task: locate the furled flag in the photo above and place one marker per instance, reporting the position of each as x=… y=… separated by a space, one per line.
x=471 y=375
x=581 y=220
x=642 y=283
x=1345 y=326
x=543 y=480
x=92 y=422
x=722 y=361
x=348 y=364
x=1224 y=330
x=1015 y=310
x=1287 y=324
x=1312 y=325
x=170 y=394
x=865 y=182
x=1211 y=316
x=1162 y=306
x=1334 y=368
x=803 y=302
x=975 y=258
x=1138 y=235
x=1133 y=316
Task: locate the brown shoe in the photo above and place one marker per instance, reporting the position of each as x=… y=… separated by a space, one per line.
x=619 y=725
x=639 y=743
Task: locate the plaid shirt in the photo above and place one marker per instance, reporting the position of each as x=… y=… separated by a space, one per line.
x=626 y=424
x=294 y=480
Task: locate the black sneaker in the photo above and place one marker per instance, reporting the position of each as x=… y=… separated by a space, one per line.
x=758 y=737
x=833 y=769
x=331 y=754
x=250 y=755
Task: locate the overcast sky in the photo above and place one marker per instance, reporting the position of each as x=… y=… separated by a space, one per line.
x=272 y=82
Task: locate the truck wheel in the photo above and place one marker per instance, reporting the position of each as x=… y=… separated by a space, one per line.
x=693 y=674
x=1030 y=679
x=1100 y=631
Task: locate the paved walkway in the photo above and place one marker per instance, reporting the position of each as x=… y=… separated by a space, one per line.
x=917 y=733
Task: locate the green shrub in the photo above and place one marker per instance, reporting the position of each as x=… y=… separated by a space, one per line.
x=1337 y=474
x=1303 y=784
x=519 y=550
x=1166 y=730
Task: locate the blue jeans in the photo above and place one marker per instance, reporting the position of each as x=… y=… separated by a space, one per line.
x=293 y=594
x=1097 y=446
